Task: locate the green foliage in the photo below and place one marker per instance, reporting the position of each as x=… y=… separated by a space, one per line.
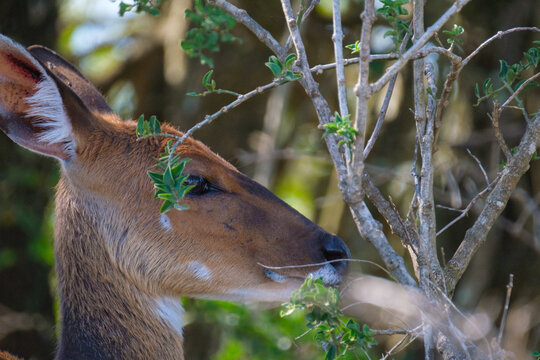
x=282 y=71
x=536 y=355
x=510 y=77
x=340 y=338
x=149 y=6
x=355 y=48
x=211 y=26
x=210 y=86
x=454 y=37
x=341 y=126
x=391 y=11
x=169 y=183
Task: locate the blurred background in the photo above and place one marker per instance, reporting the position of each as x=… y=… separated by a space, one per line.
x=137 y=62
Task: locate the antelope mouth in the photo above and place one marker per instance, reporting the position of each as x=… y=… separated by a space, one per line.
x=328 y=274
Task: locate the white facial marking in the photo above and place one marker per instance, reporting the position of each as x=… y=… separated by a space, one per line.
x=329 y=275
x=171 y=312
x=199 y=270
x=165 y=222
x=275 y=276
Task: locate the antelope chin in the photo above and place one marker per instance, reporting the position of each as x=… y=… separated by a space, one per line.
x=328 y=273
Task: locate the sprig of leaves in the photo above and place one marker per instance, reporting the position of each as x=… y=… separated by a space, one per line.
x=341 y=126
x=211 y=25
x=149 y=6
x=391 y=11
x=510 y=77
x=210 y=86
x=169 y=181
x=341 y=338
x=282 y=70
x=454 y=37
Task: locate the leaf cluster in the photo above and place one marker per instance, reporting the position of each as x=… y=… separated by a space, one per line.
x=341 y=126
x=169 y=182
x=454 y=37
x=510 y=77
x=392 y=11
x=211 y=25
x=282 y=70
x=339 y=339
x=149 y=6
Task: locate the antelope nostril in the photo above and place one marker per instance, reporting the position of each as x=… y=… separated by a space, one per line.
x=334 y=249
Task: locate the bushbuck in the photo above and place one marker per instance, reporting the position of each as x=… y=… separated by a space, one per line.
x=121 y=264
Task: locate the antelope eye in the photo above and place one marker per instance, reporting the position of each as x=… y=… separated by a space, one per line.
x=200 y=185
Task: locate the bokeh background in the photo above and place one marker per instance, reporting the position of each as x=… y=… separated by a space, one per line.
x=137 y=62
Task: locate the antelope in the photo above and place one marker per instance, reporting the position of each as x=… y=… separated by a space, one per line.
x=121 y=264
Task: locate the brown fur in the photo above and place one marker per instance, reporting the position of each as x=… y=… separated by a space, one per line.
x=114 y=257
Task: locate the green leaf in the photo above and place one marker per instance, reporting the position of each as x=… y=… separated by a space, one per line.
x=166 y=206
x=140 y=124
x=289 y=60
x=167 y=177
x=503 y=69
x=275 y=66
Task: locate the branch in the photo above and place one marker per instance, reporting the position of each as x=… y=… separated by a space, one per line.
x=495 y=203
x=318 y=69
x=371 y=231
x=498 y=35
x=261 y=33
x=362 y=93
x=518 y=90
x=404 y=59
x=506 y=306
x=312 y=89
x=337 y=37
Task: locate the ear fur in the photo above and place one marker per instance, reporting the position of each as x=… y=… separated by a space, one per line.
x=31 y=108
x=67 y=74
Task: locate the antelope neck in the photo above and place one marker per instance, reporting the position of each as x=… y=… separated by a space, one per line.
x=104 y=314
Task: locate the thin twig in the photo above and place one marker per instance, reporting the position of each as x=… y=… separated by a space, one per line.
x=419 y=44
x=480 y=166
x=384 y=107
x=518 y=90
x=506 y=306
x=261 y=33
x=465 y=211
x=498 y=35
x=494 y=117
x=337 y=38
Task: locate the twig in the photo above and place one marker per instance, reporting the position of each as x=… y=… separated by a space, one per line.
x=518 y=90
x=506 y=306
x=307 y=11
x=411 y=244
x=363 y=93
x=384 y=108
x=318 y=69
x=465 y=211
x=261 y=33
x=494 y=117
x=419 y=44
x=480 y=166
x=495 y=203
x=498 y=35
x=337 y=37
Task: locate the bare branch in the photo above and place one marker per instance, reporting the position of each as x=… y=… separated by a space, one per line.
x=261 y=33
x=498 y=35
x=337 y=37
x=419 y=44
x=518 y=90
x=506 y=306
x=480 y=166
x=465 y=211
x=495 y=203
x=494 y=117
x=362 y=93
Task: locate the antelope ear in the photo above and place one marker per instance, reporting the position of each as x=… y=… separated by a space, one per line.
x=68 y=75
x=32 y=111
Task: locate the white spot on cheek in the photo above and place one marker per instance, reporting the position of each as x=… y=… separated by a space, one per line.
x=199 y=270
x=165 y=222
x=171 y=312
